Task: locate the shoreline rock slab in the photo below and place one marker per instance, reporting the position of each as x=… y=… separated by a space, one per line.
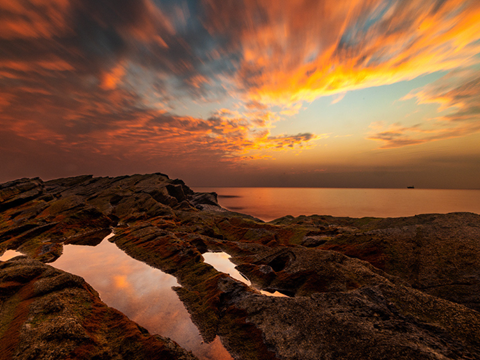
x=393 y=288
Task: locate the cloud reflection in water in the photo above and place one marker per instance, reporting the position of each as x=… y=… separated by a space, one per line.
x=141 y=292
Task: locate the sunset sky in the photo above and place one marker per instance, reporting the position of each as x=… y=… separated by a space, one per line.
x=317 y=93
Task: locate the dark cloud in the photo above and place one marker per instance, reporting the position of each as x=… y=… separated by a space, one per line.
x=92 y=38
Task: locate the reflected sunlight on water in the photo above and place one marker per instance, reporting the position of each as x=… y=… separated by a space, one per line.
x=271 y=203
x=220 y=261
x=7 y=255
x=139 y=291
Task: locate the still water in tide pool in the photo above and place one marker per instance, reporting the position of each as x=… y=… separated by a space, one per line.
x=271 y=203
x=7 y=255
x=221 y=262
x=139 y=291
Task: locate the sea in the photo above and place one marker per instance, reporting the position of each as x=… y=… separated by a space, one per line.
x=271 y=203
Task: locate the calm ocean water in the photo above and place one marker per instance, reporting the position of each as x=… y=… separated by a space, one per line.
x=271 y=203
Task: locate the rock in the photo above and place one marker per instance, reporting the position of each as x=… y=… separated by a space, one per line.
x=395 y=288
x=436 y=253
x=46 y=313
x=314 y=241
x=302 y=272
x=33 y=213
x=341 y=306
x=197 y=199
x=374 y=322
x=18 y=192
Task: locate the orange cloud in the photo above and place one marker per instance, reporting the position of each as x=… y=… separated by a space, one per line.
x=397 y=136
x=285 y=141
x=109 y=122
x=291 y=109
x=5 y=100
x=255 y=105
x=195 y=139
x=301 y=50
x=36 y=19
x=197 y=81
x=457 y=92
x=113 y=77
x=339 y=97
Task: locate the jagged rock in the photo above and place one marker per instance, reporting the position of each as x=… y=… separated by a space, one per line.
x=199 y=199
x=34 y=214
x=18 y=192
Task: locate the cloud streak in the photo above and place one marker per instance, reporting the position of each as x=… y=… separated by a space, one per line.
x=273 y=52
x=457 y=94
x=300 y=50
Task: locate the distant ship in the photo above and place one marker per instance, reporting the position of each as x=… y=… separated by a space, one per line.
x=410 y=187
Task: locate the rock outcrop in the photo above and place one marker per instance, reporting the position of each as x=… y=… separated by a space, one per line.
x=47 y=313
x=395 y=288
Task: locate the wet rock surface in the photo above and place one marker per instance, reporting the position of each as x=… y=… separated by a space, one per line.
x=394 y=288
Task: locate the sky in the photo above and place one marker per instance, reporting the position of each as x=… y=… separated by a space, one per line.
x=294 y=93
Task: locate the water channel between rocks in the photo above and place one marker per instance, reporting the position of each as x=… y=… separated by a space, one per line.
x=9 y=254
x=221 y=262
x=141 y=292
x=144 y=293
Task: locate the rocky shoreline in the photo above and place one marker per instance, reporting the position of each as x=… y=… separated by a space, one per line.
x=368 y=288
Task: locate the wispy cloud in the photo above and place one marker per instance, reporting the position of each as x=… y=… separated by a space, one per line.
x=339 y=97
x=457 y=94
x=111 y=121
x=274 y=52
